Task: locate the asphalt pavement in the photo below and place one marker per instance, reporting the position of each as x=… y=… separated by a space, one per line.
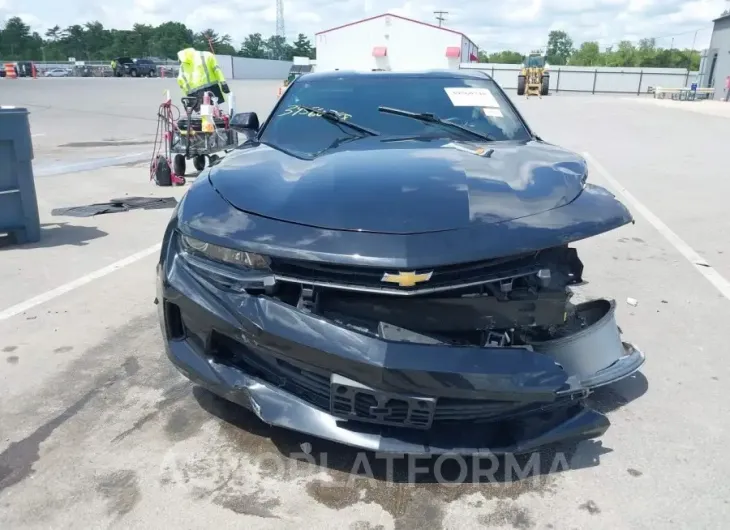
x=97 y=430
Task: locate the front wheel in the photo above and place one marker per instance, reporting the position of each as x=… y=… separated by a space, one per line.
x=521 y=85
x=545 y=87
x=199 y=162
x=133 y=73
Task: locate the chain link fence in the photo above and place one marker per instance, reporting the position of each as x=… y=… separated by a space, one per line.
x=594 y=80
x=168 y=68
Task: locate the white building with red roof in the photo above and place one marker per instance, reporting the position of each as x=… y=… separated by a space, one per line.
x=392 y=42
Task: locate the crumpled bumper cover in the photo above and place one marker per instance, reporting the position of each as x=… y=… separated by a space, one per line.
x=278 y=408
x=509 y=374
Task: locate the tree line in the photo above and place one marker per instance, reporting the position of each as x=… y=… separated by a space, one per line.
x=560 y=51
x=94 y=42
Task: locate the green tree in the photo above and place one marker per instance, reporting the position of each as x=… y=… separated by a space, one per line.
x=506 y=57
x=74 y=42
x=302 y=47
x=625 y=54
x=589 y=54
x=16 y=38
x=277 y=48
x=209 y=39
x=169 y=38
x=54 y=33
x=559 y=48
x=253 y=47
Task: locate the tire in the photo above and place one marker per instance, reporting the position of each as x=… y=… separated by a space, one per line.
x=199 y=162
x=150 y=74
x=133 y=73
x=520 y=85
x=545 y=88
x=178 y=165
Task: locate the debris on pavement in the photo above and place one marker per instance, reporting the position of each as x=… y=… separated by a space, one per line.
x=117 y=205
x=632 y=302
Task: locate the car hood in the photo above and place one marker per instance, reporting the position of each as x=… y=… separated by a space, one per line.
x=401 y=187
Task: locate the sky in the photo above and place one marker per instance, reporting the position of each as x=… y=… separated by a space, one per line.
x=493 y=25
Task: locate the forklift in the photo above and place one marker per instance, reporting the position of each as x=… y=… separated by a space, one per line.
x=534 y=79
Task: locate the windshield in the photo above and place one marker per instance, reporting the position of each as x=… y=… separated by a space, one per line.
x=475 y=103
x=535 y=62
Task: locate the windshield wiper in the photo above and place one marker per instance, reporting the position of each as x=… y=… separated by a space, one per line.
x=432 y=118
x=333 y=117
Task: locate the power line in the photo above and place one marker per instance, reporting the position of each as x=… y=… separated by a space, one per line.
x=669 y=36
x=440 y=16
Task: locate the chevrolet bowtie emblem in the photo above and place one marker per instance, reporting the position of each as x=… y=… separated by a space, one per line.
x=406 y=279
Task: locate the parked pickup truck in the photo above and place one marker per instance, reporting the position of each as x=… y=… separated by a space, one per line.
x=126 y=66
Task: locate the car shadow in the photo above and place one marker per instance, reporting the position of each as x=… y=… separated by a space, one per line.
x=55 y=235
x=399 y=469
x=612 y=397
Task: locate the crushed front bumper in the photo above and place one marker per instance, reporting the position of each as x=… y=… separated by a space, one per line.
x=295 y=370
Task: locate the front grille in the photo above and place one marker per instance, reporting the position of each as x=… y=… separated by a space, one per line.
x=372 y=277
x=356 y=403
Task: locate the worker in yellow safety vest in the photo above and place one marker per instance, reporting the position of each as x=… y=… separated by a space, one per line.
x=200 y=73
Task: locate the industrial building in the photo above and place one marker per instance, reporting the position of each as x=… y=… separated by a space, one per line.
x=715 y=69
x=392 y=42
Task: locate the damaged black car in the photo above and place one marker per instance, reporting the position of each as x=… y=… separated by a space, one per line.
x=385 y=262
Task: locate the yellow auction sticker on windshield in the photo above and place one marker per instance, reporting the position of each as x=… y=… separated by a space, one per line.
x=471 y=97
x=296 y=110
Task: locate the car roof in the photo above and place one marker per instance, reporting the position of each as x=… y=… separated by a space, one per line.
x=425 y=74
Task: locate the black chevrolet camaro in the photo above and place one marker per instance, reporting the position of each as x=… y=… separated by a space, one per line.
x=385 y=263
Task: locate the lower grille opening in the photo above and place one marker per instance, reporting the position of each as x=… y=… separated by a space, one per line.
x=308 y=384
x=314 y=386
x=175 y=327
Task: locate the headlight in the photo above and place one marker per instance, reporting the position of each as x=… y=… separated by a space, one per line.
x=248 y=260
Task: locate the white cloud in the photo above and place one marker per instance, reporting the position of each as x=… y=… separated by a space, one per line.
x=493 y=24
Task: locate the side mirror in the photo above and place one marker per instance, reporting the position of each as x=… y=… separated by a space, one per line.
x=245 y=122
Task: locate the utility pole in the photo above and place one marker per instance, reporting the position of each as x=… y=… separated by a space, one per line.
x=691 y=53
x=440 y=16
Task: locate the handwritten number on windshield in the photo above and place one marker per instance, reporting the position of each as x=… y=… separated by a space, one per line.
x=295 y=110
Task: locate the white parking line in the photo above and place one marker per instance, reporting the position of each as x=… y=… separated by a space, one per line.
x=699 y=263
x=36 y=135
x=53 y=168
x=75 y=284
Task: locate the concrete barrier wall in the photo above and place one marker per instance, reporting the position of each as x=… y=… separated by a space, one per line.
x=600 y=79
x=244 y=68
x=226 y=64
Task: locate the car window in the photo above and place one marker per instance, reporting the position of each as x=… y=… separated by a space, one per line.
x=476 y=103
